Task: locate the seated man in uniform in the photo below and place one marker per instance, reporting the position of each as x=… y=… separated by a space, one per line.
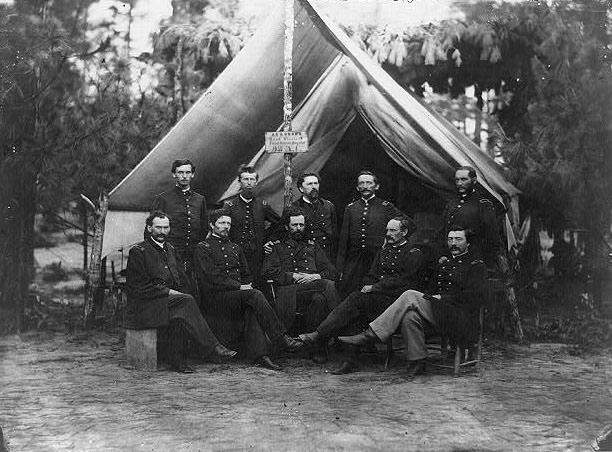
x=396 y=268
x=451 y=310
x=227 y=293
x=156 y=283
x=304 y=276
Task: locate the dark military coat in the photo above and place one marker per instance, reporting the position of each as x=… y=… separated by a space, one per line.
x=474 y=211
x=321 y=224
x=364 y=227
x=462 y=283
x=220 y=265
x=188 y=218
x=249 y=223
x=397 y=268
x=249 y=229
x=289 y=256
x=151 y=273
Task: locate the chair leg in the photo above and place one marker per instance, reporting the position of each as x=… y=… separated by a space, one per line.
x=480 y=338
x=389 y=353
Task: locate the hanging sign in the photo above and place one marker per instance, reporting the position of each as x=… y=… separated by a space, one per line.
x=286 y=142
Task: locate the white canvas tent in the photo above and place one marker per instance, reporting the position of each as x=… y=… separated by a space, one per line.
x=354 y=113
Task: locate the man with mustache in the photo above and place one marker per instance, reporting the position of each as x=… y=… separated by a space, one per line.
x=450 y=309
x=254 y=221
x=156 y=286
x=233 y=305
x=304 y=277
x=397 y=267
x=363 y=232
x=320 y=214
x=475 y=212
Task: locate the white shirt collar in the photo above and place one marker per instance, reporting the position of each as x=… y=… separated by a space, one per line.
x=246 y=200
x=160 y=244
x=368 y=199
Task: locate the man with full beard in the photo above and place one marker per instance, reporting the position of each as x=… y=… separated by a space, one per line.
x=363 y=232
x=249 y=215
x=304 y=277
x=320 y=215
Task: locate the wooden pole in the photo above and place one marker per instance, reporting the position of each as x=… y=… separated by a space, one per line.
x=287 y=97
x=93 y=274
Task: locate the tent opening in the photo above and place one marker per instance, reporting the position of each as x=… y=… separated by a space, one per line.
x=360 y=149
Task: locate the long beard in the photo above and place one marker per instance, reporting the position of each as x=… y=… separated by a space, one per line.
x=297 y=236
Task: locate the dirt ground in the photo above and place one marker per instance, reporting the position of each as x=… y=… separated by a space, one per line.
x=74 y=392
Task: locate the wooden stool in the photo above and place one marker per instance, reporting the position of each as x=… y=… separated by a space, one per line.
x=141 y=348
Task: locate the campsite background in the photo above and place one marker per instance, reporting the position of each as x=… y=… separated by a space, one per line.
x=83 y=100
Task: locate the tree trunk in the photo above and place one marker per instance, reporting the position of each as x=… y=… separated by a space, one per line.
x=85 y=238
x=506 y=274
x=17 y=197
x=179 y=95
x=93 y=274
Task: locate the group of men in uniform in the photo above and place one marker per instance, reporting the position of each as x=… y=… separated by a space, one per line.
x=319 y=283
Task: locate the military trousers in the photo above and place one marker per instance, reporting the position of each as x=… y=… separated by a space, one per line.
x=245 y=311
x=414 y=314
x=184 y=311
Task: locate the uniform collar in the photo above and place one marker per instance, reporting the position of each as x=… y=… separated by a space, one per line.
x=159 y=245
x=180 y=190
x=397 y=245
x=312 y=203
x=369 y=200
x=246 y=201
x=460 y=255
x=467 y=194
x=218 y=238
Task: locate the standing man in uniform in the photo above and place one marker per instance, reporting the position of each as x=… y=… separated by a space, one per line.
x=157 y=295
x=187 y=211
x=320 y=214
x=451 y=310
x=363 y=232
x=249 y=215
x=475 y=212
x=397 y=267
x=304 y=277
x=228 y=294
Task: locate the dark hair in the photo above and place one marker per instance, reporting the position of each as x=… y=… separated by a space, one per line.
x=471 y=171
x=181 y=162
x=155 y=214
x=457 y=227
x=367 y=173
x=247 y=169
x=291 y=211
x=406 y=224
x=300 y=180
x=218 y=213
